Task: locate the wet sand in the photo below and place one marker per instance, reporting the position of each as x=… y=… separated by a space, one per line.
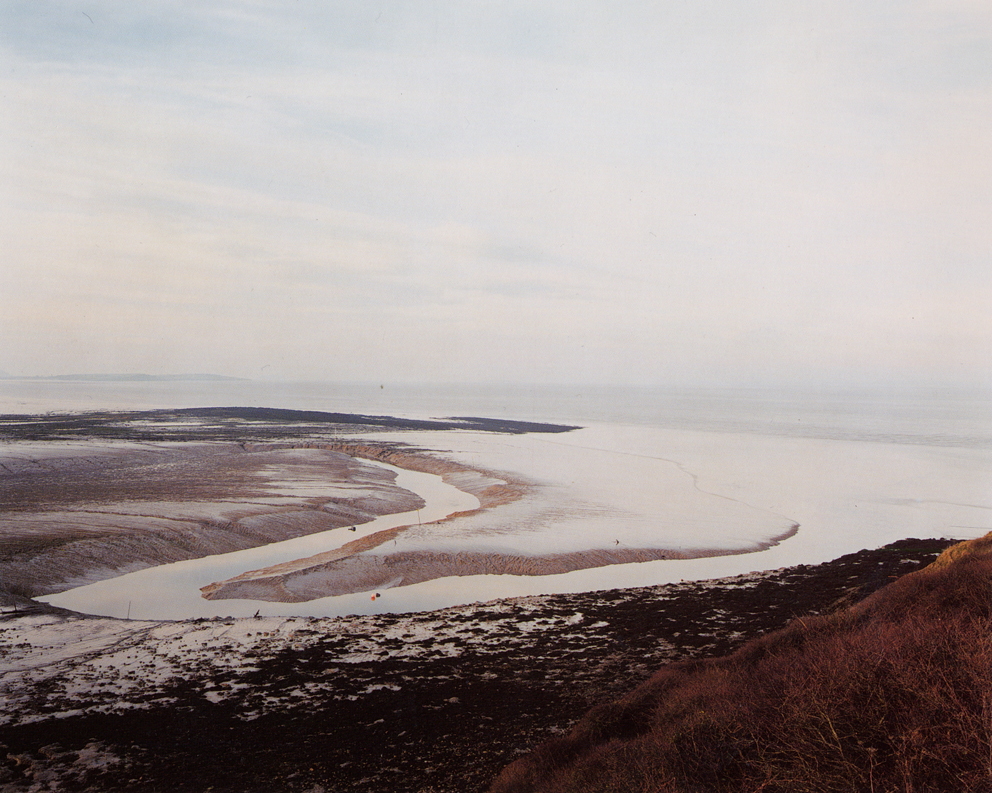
x=82 y=512
x=89 y=497
x=88 y=511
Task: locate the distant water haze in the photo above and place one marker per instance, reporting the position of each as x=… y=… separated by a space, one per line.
x=895 y=415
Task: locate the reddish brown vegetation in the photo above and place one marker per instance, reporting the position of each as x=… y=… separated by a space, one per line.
x=892 y=694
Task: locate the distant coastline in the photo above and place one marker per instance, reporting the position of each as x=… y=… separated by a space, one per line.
x=125 y=378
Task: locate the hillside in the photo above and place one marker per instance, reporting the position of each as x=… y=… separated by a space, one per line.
x=893 y=693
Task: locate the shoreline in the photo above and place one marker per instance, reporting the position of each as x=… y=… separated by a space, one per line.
x=597 y=508
x=92 y=445
x=436 y=701
x=336 y=573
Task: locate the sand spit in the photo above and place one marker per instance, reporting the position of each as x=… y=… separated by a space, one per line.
x=352 y=568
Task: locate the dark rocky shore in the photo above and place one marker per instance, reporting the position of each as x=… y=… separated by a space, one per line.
x=236 y=423
x=438 y=701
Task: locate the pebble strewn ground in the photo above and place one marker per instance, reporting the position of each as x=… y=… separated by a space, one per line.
x=430 y=702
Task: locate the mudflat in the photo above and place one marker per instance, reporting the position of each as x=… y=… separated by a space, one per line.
x=76 y=512
x=92 y=496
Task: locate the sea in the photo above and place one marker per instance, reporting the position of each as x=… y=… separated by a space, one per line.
x=940 y=417
x=722 y=471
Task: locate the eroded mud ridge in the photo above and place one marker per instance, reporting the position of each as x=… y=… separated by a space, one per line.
x=361 y=570
x=438 y=701
x=91 y=496
x=77 y=513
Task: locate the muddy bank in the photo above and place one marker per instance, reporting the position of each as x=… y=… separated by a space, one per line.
x=356 y=568
x=78 y=513
x=237 y=423
x=85 y=511
x=91 y=496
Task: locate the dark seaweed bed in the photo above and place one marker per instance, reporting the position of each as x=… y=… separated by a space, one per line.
x=454 y=722
x=236 y=423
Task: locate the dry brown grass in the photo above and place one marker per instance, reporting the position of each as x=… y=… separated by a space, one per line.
x=892 y=694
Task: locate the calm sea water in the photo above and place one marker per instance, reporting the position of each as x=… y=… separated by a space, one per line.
x=938 y=418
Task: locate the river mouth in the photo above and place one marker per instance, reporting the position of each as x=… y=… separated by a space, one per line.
x=595 y=508
x=79 y=511
x=174 y=591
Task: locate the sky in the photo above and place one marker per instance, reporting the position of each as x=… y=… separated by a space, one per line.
x=673 y=192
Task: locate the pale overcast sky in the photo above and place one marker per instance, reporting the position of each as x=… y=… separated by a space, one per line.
x=673 y=192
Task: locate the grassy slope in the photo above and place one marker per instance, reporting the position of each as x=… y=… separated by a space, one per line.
x=891 y=694
x=466 y=689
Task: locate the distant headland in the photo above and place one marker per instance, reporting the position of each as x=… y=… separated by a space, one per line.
x=122 y=378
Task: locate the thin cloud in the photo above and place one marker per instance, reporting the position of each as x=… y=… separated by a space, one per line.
x=657 y=192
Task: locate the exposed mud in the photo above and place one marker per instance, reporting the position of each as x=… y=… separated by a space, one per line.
x=91 y=496
x=80 y=513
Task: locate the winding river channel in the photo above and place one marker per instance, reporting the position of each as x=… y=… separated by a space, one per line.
x=172 y=591
x=608 y=486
